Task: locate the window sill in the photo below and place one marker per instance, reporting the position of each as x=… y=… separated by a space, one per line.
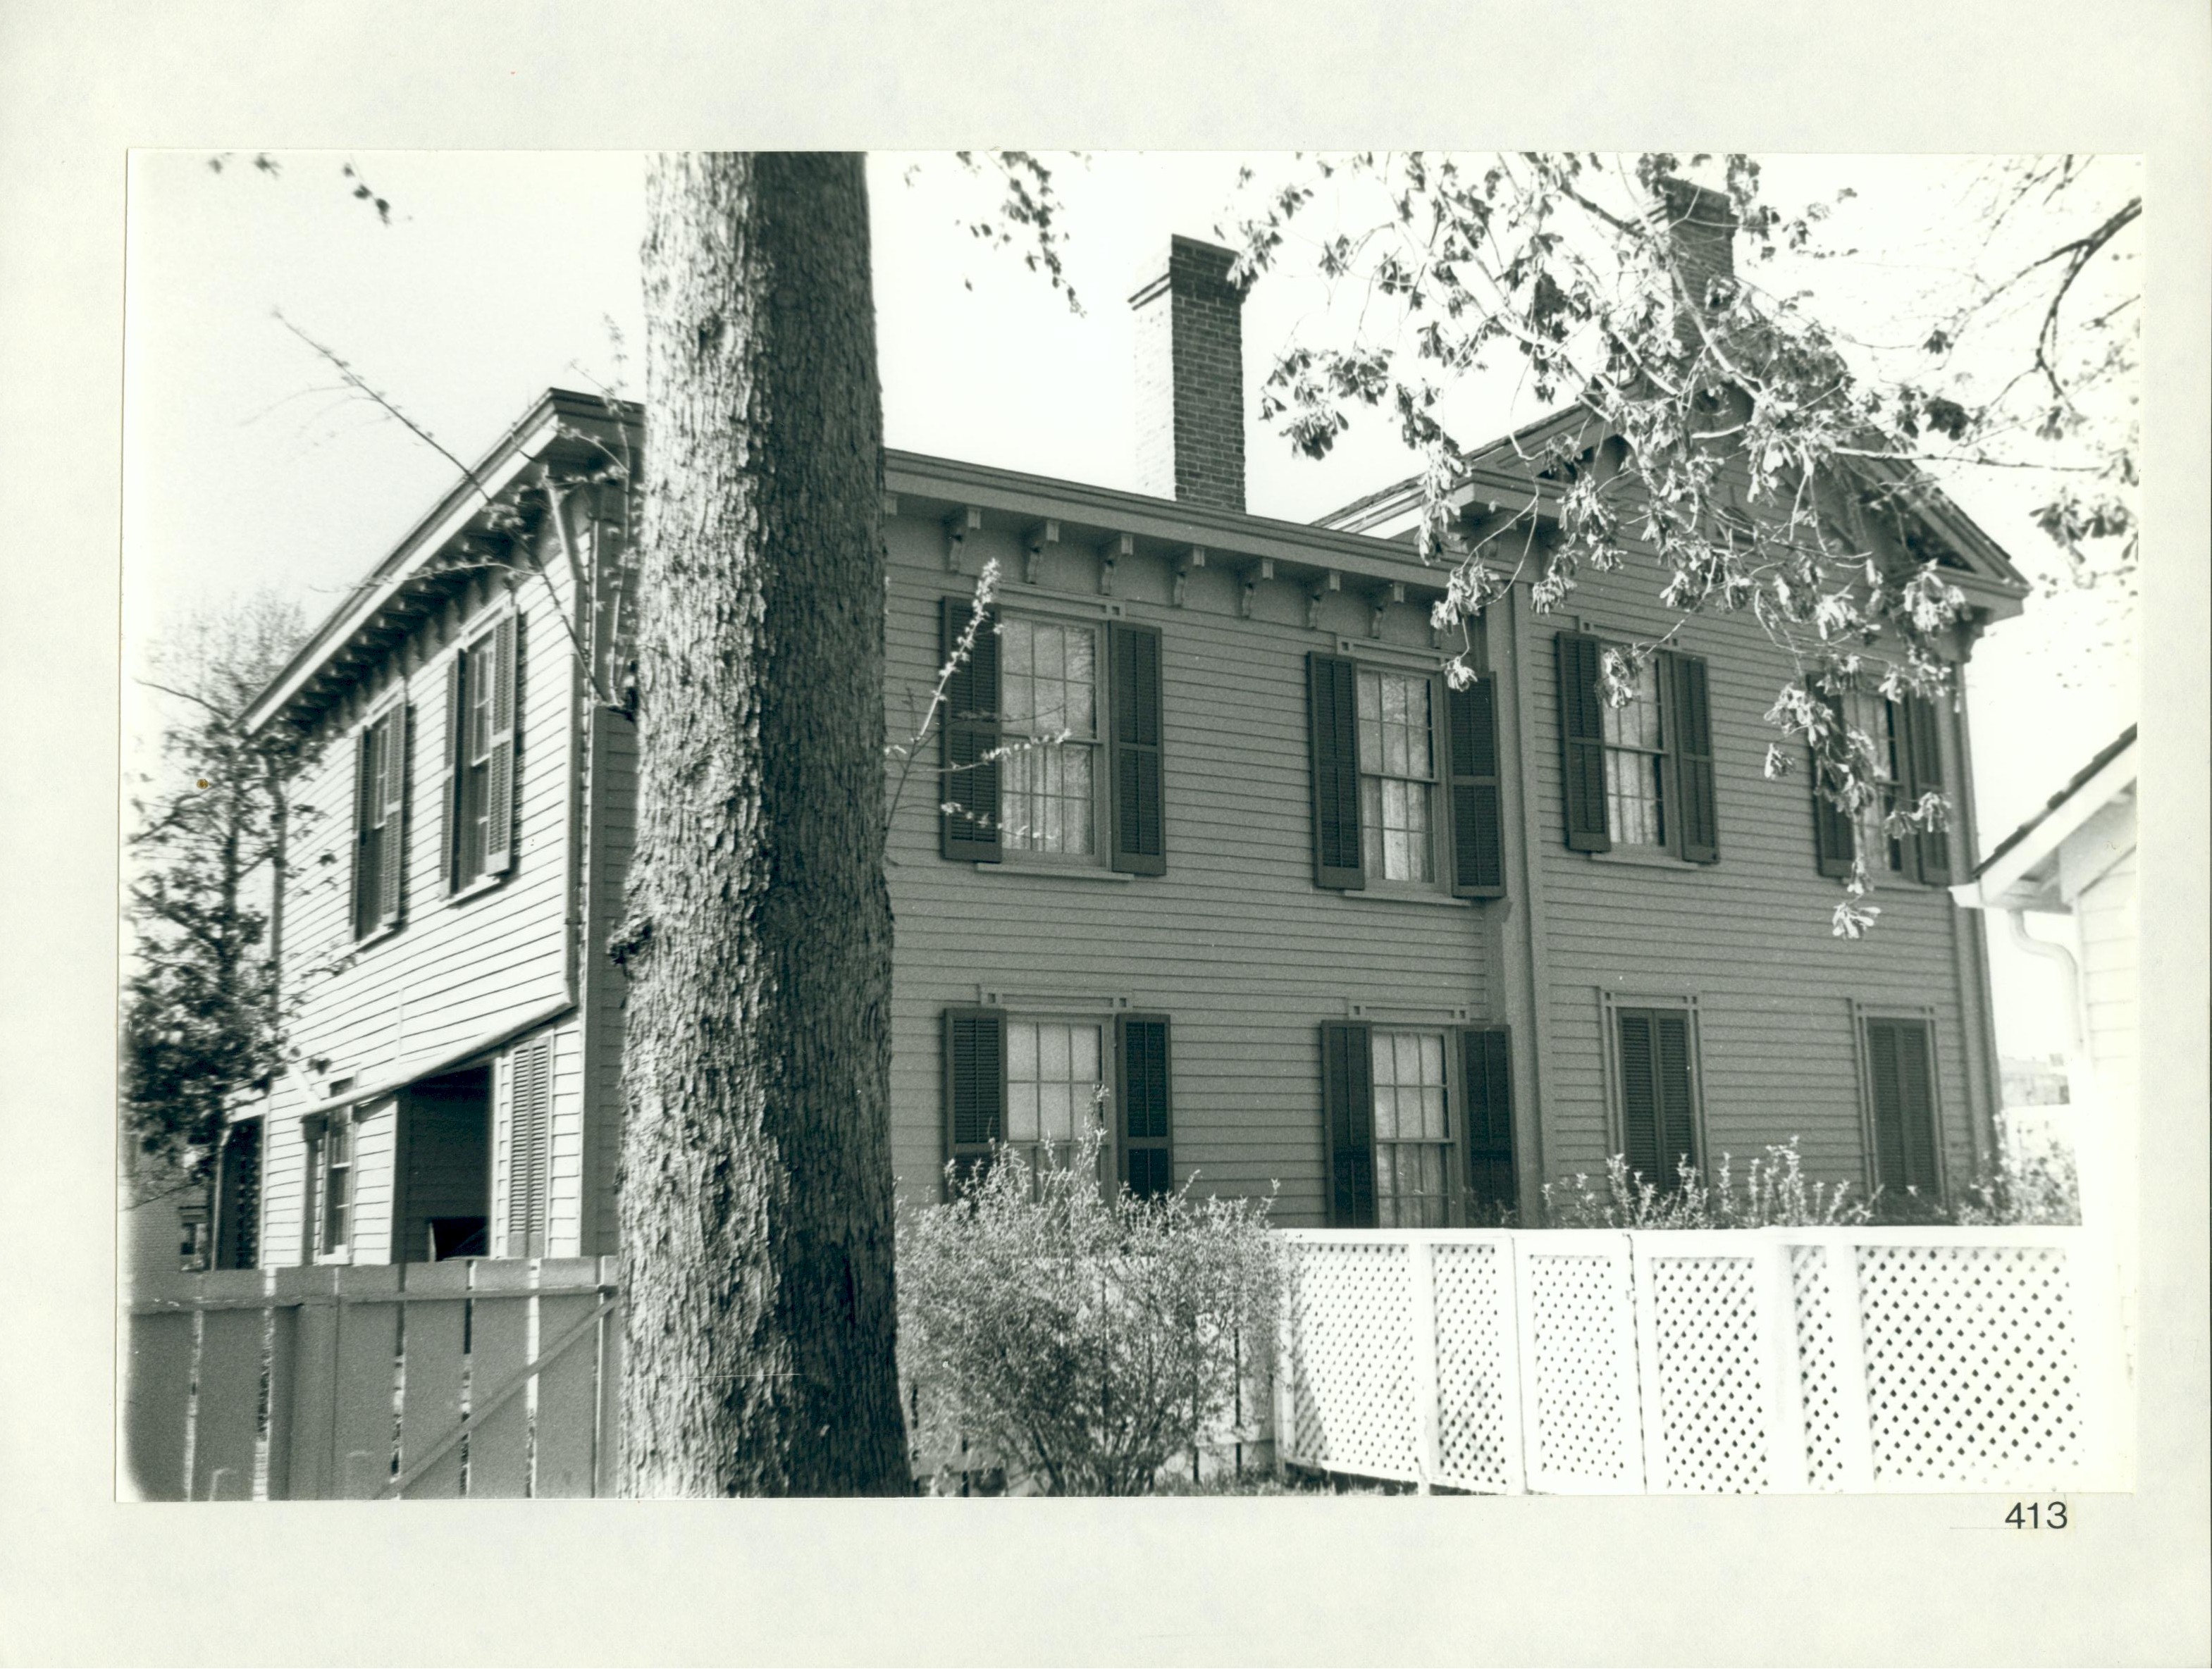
x=478 y=886
x=1392 y=895
x=390 y=930
x=1646 y=857
x=1055 y=871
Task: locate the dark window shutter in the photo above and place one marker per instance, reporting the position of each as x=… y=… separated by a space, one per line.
x=969 y=831
x=1582 y=743
x=1139 y=821
x=367 y=848
x=1690 y=740
x=529 y=1142
x=974 y=1086
x=1348 y=1111
x=1834 y=839
x=449 y=841
x=1477 y=820
x=1923 y=756
x=1902 y=1088
x=1333 y=702
x=1147 y=1122
x=1677 y=1126
x=1487 y=1069
x=499 y=789
x=1639 y=1098
x=396 y=747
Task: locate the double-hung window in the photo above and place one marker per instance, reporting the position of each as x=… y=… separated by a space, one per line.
x=481 y=745
x=1418 y=1123
x=330 y=1180
x=1048 y=725
x=1636 y=775
x=1051 y=738
x=380 y=861
x=1023 y=1082
x=1406 y=779
x=1413 y=1130
x=1636 y=764
x=1397 y=775
x=1906 y=737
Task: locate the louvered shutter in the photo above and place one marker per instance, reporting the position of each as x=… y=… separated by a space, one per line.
x=398 y=728
x=1333 y=706
x=1147 y=1123
x=1902 y=1090
x=1834 y=839
x=1582 y=743
x=1487 y=1128
x=1677 y=1125
x=1476 y=820
x=529 y=1143
x=969 y=831
x=449 y=795
x=1348 y=1112
x=1140 y=843
x=1690 y=741
x=974 y=1086
x=1639 y=1098
x=504 y=644
x=368 y=849
x=1924 y=761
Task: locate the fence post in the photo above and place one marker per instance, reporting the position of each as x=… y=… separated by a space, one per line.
x=1652 y=1477
x=1785 y=1400
x=1286 y=1412
x=1512 y=1410
x=1421 y=1316
x=1854 y=1429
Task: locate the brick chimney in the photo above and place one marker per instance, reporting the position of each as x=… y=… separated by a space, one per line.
x=1701 y=224
x=1190 y=378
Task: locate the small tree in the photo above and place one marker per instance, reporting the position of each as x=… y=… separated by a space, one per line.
x=202 y=1021
x=1081 y=1339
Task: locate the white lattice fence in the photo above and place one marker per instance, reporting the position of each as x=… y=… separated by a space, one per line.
x=1347 y=1399
x=1578 y=1363
x=1778 y=1360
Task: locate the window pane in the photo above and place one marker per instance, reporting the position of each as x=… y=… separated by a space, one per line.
x=1021 y=1052
x=1053 y=1111
x=1052 y=1053
x=1021 y=1112
x=1082 y=1054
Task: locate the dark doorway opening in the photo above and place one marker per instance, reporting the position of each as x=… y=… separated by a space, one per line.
x=445 y=1205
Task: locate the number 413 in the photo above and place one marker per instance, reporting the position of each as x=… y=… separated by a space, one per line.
x=2037 y=1515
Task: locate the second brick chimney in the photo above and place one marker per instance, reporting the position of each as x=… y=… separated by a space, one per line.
x=1701 y=225
x=1190 y=378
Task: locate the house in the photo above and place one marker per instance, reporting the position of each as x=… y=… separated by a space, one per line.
x=2075 y=860
x=1308 y=914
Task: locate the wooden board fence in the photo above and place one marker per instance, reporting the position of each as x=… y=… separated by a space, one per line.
x=477 y=1377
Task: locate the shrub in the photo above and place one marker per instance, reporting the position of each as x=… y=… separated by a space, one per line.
x=1773 y=1192
x=1078 y=1339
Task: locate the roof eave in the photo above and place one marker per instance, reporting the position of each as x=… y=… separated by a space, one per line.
x=530 y=438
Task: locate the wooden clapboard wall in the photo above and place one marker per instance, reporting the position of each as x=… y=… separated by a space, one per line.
x=452 y=970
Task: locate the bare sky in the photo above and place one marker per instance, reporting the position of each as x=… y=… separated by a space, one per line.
x=501 y=273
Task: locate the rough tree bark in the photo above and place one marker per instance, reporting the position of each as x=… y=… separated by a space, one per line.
x=755 y=1191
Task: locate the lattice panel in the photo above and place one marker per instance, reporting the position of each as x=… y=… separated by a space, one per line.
x=1351 y=1362
x=1974 y=1377
x=1475 y=1366
x=1713 y=1395
x=1812 y=1304
x=1585 y=1379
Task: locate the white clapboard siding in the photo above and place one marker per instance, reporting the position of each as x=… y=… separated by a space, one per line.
x=456 y=969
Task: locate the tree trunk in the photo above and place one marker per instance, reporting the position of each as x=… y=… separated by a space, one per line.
x=755 y=1191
